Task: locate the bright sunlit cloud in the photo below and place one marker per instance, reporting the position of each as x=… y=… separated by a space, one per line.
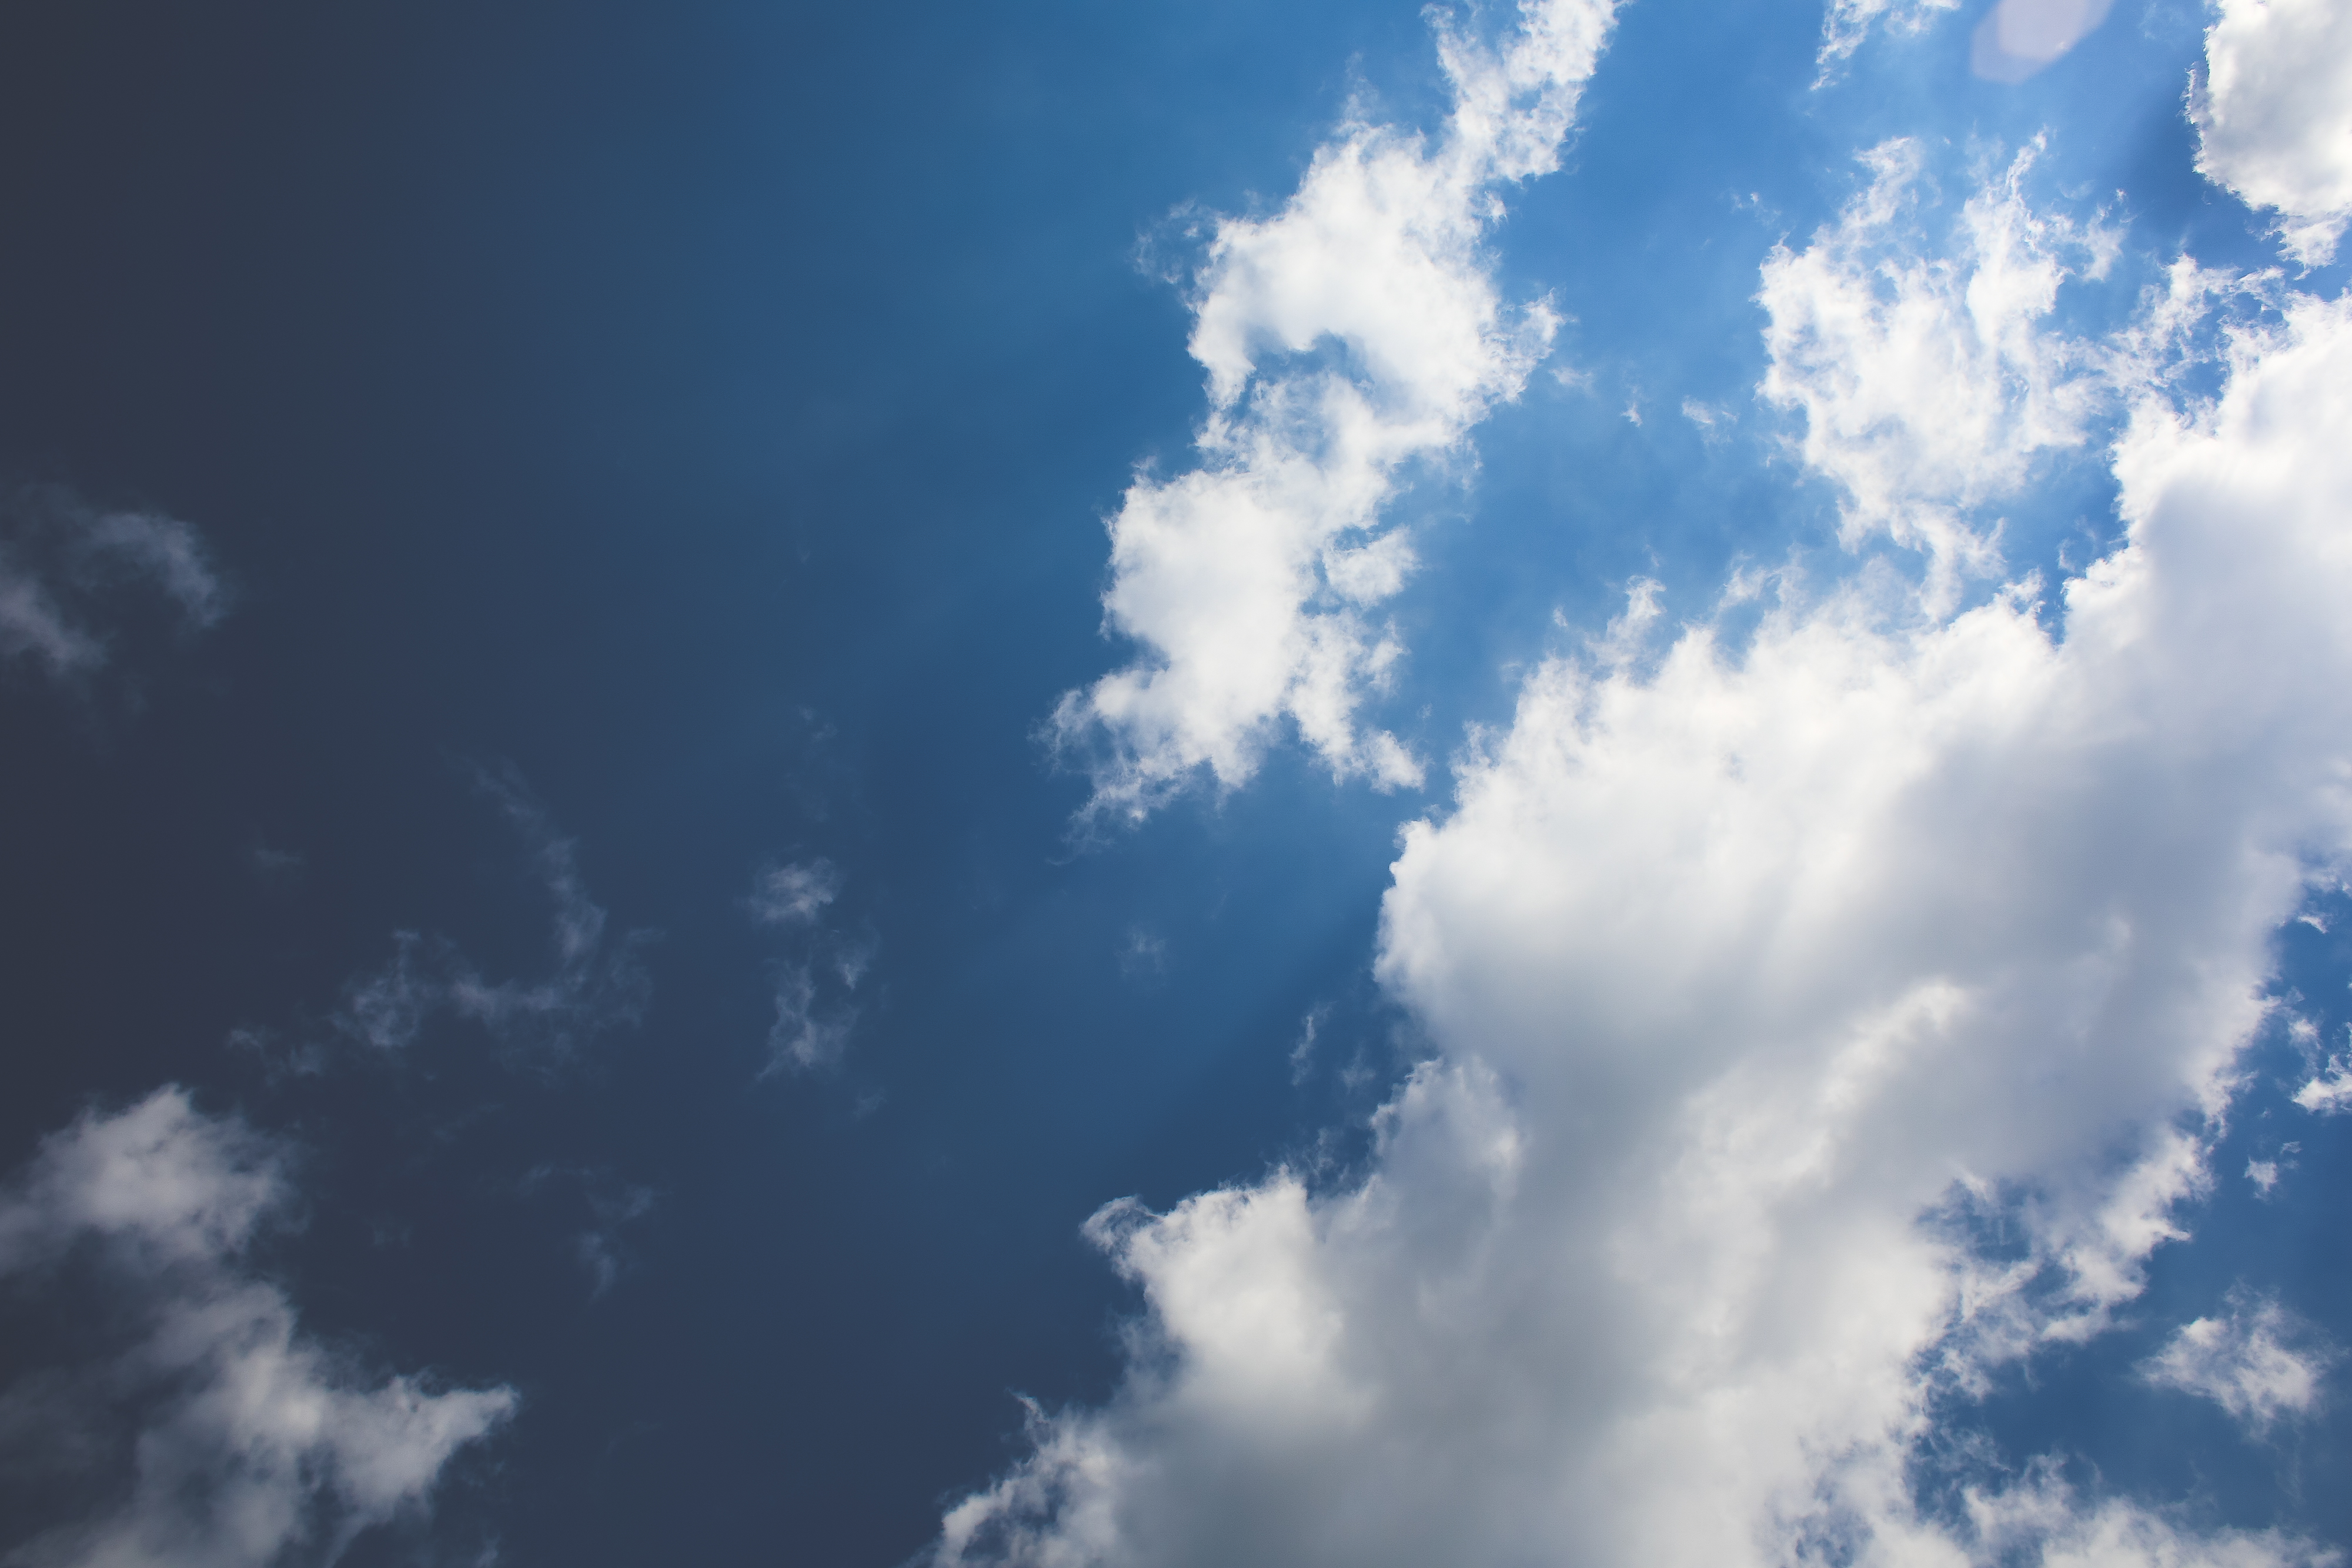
x=1253 y=580
x=1768 y=984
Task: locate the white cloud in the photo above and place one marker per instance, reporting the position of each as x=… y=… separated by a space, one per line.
x=1846 y=24
x=1707 y=416
x=1143 y=954
x=794 y=895
x=220 y=1435
x=1353 y=333
x=62 y=563
x=809 y=1033
x=818 y=972
x=2044 y=1516
x=595 y=985
x=2329 y=1092
x=2273 y=115
x=1928 y=382
x=2257 y=1363
x=1764 y=980
x=1302 y=1053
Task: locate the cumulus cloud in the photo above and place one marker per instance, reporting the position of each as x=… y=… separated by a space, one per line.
x=1767 y=982
x=65 y=565
x=1928 y=380
x=819 y=971
x=2257 y=1363
x=1351 y=334
x=595 y=986
x=207 y=1429
x=2273 y=115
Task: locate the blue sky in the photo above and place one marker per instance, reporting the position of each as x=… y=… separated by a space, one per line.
x=1175 y=785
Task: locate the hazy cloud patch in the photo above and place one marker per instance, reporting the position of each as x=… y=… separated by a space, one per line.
x=820 y=970
x=2256 y=1361
x=70 y=574
x=597 y=983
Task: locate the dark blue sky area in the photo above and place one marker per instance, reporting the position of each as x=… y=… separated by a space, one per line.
x=708 y=414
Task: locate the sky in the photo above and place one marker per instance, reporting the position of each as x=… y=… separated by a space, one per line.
x=1164 y=786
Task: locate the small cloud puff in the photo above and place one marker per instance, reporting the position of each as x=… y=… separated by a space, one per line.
x=817 y=974
x=2258 y=1362
x=1707 y=416
x=2328 y=1092
x=1142 y=954
x=794 y=895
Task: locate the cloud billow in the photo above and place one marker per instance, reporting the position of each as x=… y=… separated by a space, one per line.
x=1754 y=970
x=2274 y=114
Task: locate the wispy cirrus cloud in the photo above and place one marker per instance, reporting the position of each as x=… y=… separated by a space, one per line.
x=193 y=1421
x=596 y=984
x=609 y=1204
x=67 y=566
x=1350 y=335
x=817 y=974
x=1846 y=24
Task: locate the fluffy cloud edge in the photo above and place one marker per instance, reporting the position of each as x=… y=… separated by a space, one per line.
x=235 y=1437
x=2273 y=110
x=1349 y=338
x=1766 y=983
